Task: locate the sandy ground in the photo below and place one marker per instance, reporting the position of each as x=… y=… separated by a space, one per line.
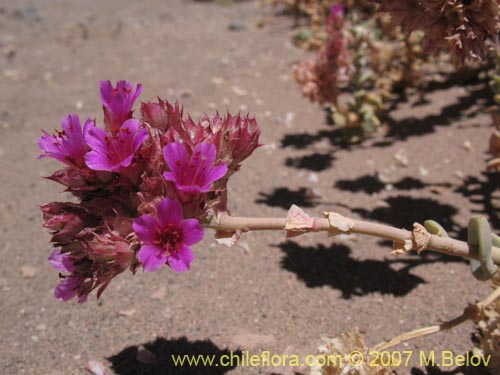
x=280 y=295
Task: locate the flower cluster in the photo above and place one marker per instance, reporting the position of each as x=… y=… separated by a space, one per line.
x=144 y=187
x=322 y=79
x=462 y=27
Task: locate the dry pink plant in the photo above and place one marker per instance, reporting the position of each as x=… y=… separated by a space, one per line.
x=322 y=79
x=464 y=28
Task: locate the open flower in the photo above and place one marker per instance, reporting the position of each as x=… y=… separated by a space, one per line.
x=167 y=238
x=68 y=145
x=118 y=102
x=68 y=287
x=193 y=174
x=61 y=261
x=110 y=152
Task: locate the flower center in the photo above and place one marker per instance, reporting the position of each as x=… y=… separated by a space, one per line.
x=169 y=238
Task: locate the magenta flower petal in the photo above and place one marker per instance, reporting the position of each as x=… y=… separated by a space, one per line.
x=193 y=231
x=99 y=140
x=168 y=239
x=193 y=174
x=144 y=227
x=169 y=176
x=169 y=212
x=118 y=102
x=337 y=9
x=68 y=145
x=67 y=288
x=181 y=261
x=61 y=262
x=106 y=92
x=152 y=257
x=176 y=156
x=217 y=172
x=119 y=98
x=204 y=153
x=112 y=152
x=200 y=164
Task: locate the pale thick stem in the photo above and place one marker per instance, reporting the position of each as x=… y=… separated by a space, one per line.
x=443 y=245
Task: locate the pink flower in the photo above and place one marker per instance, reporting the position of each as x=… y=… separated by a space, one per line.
x=120 y=218
x=68 y=145
x=167 y=238
x=68 y=288
x=193 y=174
x=118 y=102
x=336 y=10
x=61 y=262
x=110 y=152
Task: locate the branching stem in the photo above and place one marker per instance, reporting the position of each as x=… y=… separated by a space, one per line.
x=472 y=312
x=443 y=245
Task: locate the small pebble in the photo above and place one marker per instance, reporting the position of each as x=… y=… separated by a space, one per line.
x=187 y=93
x=95 y=367
x=48 y=76
x=238 y=91
x=9 y=52
x=217 y=81
x=145 y=356
x=14 y=74
x=159 y=293
x=127 y=312
x=237 y=26
x=423 y=171
x=437 y=189
x=381 y=177
x=313 y=178
x=401 y=159
x=28 y=271
x=289 y=116
x=313 y=194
